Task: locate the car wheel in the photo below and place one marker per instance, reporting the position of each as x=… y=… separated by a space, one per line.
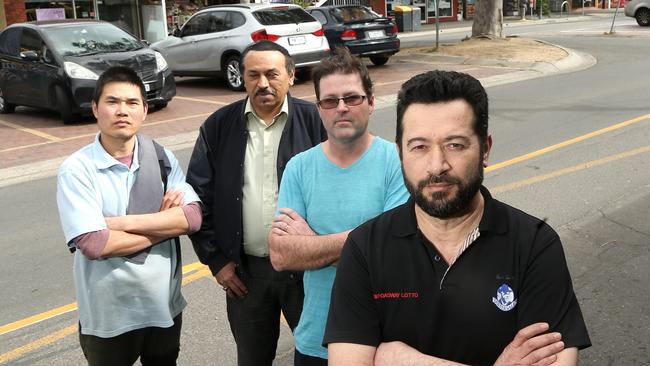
x=161 y=105
x=643 y=17
x=4 y=106
x=64 y=104
x=232 y=73
x=379 y=60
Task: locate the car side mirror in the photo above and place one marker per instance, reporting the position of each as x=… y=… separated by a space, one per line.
x=30 y=56
x=176 y=32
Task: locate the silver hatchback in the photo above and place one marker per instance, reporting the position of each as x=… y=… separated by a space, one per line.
x=639 y=10
x=212 y=40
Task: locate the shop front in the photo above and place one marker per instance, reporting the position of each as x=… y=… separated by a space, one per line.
x=143 y=18
x=447 y=9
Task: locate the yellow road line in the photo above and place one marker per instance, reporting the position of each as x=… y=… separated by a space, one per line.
x=202 y=100
x=193 y=267
x=30 y=131
x=565 y=143
x=41 y=342
x=205 y=272
x=196 y=266
x=37 y=318
x=572 y=169
x=199 y=270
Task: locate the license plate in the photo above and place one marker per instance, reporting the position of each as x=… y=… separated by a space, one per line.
x=296 y=40
x=376 y=34
x=147 y=87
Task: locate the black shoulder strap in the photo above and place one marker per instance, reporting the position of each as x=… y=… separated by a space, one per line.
x=164 y=164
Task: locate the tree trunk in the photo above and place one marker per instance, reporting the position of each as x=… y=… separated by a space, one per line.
x=488 y=19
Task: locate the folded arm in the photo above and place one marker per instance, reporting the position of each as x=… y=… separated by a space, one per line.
x=131 y=233
x=122 y=243
x=531 y=346
x=294 y=245
x=168 y=223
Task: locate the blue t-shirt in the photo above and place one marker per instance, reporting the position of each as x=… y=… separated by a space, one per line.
x=334 y=199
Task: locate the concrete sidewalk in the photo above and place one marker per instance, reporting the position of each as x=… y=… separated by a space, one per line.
x=513 y=21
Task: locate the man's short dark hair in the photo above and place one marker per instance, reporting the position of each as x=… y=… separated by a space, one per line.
x=444 y=86
x=119 y=74
x=265 y=45
x=341 y=62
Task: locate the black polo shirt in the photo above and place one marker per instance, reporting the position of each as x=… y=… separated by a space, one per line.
x=393 y=285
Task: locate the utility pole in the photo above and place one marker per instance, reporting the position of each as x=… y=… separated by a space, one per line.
x=437 y=23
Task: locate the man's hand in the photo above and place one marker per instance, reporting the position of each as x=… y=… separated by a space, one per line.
x=230 y=282
x=289 y=222
x=171 y=199
x=532 y=347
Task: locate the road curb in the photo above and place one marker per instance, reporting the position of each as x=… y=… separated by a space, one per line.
x=574 y=61
x=48 y=168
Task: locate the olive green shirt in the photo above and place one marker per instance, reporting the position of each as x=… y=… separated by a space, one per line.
x=261 y=178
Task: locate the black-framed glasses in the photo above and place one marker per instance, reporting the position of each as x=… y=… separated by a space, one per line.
x=349 y=100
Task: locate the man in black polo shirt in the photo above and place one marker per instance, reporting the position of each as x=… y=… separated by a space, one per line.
x=452 y=276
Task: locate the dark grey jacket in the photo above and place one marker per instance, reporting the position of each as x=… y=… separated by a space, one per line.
x=216 y=171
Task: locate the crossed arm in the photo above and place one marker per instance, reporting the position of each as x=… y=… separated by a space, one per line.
x=294 y=245
x=530 y=346
x=131 y=233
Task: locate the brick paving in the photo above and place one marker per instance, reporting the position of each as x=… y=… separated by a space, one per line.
x=30 y=135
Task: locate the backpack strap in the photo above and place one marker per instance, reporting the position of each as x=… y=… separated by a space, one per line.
x=165 y=168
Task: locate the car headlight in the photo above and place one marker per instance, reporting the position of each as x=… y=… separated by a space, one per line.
x=77 y=71
x=161 y=64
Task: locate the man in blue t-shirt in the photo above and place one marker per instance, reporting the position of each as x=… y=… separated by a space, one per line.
x=329 y=190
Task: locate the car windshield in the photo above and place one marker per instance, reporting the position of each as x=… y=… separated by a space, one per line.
x=276 y=16
x=352 y=14
x=89 y=39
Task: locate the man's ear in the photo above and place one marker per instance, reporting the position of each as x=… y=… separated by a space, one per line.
x=292 y=77
x=486 y=150
x=94 y=107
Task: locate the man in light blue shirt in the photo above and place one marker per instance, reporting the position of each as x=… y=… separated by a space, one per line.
x=329 y=190
x=115 y=211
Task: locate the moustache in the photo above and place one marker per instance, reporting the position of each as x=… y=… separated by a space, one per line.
x=437 y=179
x=263 y=92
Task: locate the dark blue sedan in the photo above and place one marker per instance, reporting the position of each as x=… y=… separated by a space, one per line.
x=362 y=31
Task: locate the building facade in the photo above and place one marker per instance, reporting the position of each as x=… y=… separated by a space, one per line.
x=151 y=20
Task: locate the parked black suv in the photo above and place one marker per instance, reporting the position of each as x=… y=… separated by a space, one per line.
x=55 y=65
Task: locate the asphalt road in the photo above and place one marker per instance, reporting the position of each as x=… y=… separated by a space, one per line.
x=594 y=189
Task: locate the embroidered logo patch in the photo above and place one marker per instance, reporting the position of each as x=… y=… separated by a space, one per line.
x=505 y=299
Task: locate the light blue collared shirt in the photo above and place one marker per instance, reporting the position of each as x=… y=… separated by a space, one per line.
x=114 y=295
